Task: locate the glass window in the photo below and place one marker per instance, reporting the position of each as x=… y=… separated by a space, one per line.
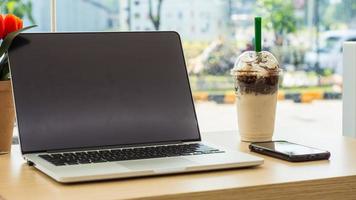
x=89 y=15
x=305 y=36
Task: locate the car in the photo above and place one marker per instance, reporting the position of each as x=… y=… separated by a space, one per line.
x=330 y=50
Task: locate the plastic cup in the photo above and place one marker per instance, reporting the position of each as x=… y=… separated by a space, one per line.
x=256 y=76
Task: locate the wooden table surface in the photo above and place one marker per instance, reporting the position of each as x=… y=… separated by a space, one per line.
x=275 y=179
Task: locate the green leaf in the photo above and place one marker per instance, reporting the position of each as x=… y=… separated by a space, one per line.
x=11 y=6
x=4 y=69
x=6 y=43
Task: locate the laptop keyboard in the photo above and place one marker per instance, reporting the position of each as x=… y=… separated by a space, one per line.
x=112 y=155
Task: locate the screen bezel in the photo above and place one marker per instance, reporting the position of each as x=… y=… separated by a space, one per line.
x=119 y=145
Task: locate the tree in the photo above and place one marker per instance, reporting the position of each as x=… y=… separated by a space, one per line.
x=155 y=19
x=19 y=8
x=278 y=15
x=348 y=8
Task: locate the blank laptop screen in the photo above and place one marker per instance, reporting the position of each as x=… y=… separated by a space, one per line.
x=75 y=90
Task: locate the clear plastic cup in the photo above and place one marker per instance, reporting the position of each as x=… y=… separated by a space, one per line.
x=256 y=77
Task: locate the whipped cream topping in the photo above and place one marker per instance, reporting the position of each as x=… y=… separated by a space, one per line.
x=262 y=63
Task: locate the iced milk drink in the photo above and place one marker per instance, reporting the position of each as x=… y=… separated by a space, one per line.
x=256 y=77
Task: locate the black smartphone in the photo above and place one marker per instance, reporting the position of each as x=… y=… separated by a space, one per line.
x=289 y=151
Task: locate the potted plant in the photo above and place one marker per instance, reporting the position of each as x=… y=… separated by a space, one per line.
x=10 y=27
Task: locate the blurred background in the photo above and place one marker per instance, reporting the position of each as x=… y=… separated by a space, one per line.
x=306 y=36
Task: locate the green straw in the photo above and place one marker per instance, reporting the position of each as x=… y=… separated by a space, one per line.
x=258 y=34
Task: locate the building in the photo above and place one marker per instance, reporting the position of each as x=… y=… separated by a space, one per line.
x=195 y=20
x=93 y=15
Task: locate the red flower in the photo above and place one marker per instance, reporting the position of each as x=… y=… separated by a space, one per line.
x=19 y=24
x=2 y=27
x=10 y=23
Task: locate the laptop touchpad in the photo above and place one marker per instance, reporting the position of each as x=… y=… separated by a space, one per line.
x=158 y=164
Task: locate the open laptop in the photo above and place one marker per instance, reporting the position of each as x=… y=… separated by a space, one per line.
x=94 y=106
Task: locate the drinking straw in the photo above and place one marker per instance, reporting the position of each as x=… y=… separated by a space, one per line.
x=258 y=34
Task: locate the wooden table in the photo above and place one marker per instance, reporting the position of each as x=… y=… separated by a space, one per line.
x=275 y=179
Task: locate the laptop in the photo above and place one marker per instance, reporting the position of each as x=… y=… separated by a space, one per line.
x=93 y=106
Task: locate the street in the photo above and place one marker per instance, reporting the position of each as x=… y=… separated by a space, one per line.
x=319 y=116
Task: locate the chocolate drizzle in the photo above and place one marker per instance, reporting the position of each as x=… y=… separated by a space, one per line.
x=256 y=73
x=248 y=83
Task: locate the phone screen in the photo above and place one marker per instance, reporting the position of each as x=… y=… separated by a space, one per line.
x=288 y=148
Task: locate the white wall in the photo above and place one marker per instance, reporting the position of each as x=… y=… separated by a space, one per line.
x=349 y=89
